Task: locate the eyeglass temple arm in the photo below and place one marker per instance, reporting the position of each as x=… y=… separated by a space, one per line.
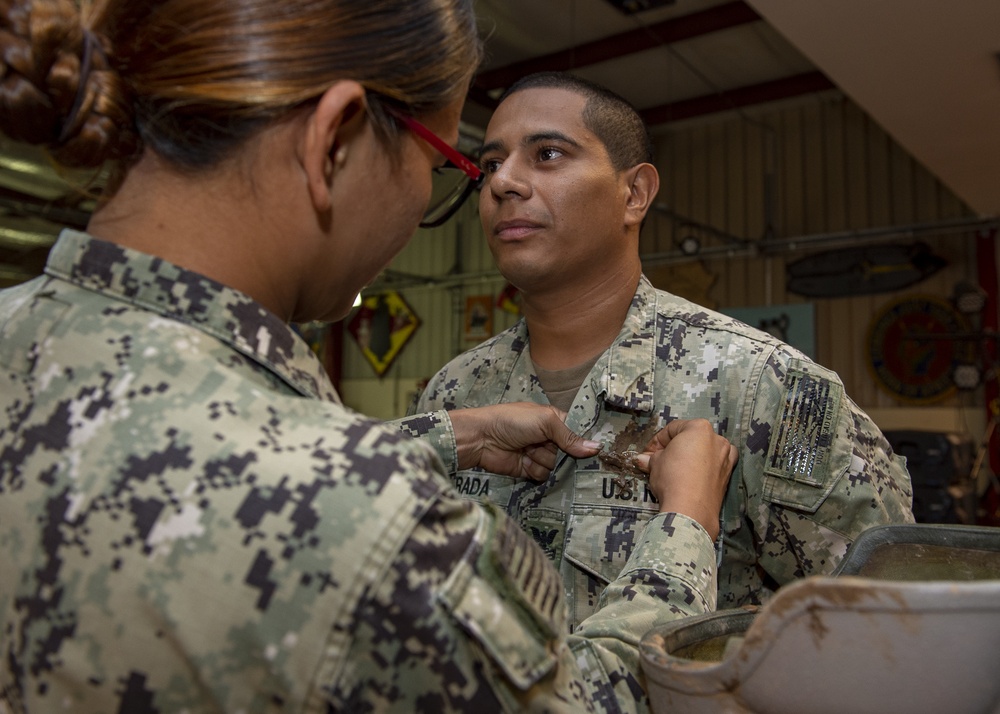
x=454 y=155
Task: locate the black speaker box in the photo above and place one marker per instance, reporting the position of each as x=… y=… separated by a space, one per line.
x=935 y=460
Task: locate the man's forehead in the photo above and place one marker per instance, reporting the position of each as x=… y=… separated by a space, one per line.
x=538 y=111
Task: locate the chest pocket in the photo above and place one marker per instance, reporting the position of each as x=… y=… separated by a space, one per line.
x=523 y=502
x=605 y=522
x=547 y=528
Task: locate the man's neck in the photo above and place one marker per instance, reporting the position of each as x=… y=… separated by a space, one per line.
x=573 y=324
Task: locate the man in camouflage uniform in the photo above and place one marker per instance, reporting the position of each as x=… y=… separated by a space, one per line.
x=191 y=521
x=568 y=183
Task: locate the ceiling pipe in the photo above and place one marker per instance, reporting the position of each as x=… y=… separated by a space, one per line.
x=392 y=280
x=777 y=246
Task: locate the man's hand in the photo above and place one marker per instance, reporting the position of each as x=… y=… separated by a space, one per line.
x=689 y=466
x=519 y=439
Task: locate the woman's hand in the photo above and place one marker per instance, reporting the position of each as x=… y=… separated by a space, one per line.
x=689 y=466
x=519 y=439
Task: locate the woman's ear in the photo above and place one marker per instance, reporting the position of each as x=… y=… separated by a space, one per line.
x=331 y=134
x=644 y=183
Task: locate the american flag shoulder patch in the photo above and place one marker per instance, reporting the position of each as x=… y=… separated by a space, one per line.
x=803 y=437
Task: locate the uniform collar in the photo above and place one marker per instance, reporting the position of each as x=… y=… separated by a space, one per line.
x=155 y=285
x=624 y=374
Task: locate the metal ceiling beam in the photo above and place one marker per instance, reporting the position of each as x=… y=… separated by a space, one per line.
x=720 y=17
x=784 y=88
x=717 y=18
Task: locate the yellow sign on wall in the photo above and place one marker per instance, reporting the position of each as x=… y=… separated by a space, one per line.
x=382 y=326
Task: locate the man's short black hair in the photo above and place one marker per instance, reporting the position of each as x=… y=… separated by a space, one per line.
x=612 y=119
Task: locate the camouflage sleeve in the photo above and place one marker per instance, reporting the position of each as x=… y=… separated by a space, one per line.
x=671 y=574
x=435 y=430
x=817 y=471
x=471 y=617
x=446 y=389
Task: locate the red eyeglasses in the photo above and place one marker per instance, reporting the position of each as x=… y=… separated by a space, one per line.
x=454 y=182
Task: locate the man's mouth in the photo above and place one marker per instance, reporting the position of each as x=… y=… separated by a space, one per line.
x=514 y=229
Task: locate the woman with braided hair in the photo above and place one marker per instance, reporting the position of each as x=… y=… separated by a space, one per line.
x=190 y=519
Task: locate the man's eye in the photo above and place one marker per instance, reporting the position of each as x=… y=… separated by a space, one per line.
x=548 y=154
x=489 y=166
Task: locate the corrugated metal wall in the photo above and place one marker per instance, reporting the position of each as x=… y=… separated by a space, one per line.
x=834 y=171
x=805 y=169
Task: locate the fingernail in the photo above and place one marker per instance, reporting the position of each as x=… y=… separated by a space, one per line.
x=593 y=444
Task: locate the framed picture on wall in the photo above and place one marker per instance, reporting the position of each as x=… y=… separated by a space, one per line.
x=478 y=317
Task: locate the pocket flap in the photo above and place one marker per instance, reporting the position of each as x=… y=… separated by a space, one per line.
x=810 y=448
x=512 y=602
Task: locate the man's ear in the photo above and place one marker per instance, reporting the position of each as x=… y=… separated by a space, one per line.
x=331 y=134
x=643 y=183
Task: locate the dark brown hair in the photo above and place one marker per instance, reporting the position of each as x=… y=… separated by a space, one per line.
x=194 y=79
x=612 y=119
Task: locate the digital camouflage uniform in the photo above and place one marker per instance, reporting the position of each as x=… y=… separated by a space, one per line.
x=190 y=521
x=813 y=471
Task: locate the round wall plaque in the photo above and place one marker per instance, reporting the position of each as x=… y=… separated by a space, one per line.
x=912 y=353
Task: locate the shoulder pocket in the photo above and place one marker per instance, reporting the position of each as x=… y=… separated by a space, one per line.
x=810 y=449
x=511 y=600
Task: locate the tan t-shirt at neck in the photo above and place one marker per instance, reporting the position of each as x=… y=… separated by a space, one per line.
x=561 y=385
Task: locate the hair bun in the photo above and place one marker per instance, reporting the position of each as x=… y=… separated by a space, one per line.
x=57 y=88
x=97 y=125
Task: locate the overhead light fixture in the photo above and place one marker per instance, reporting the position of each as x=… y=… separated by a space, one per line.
x=357 y=300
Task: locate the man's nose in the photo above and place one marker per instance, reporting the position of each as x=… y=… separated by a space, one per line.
x=509 y=180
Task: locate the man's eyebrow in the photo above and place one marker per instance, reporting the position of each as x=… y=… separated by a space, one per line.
x=544 y=136
x=530 y=139
x=490 y=146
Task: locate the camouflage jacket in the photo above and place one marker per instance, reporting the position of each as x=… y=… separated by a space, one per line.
x=814 y=471
x=191 y=521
